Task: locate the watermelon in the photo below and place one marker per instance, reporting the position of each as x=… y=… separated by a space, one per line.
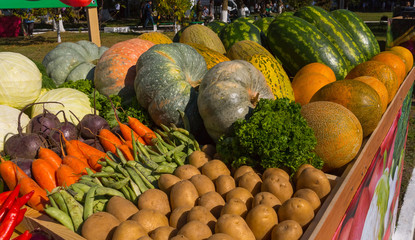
x=263 y=23
x=216 y=26
x=335 y=32
x=177 y=36
x=359 y=31
x=244 y=19
x=296 y=43
x=238 y=31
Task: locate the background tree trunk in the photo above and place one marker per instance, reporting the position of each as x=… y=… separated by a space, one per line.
x=224 y=13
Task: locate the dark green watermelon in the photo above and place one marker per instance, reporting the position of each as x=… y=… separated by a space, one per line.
x=263 y=23
x=216 y=26
x=238 y=31
x=176 y=37
x=244 y=19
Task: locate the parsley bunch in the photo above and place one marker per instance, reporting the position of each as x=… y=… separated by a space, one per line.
x=273 y=135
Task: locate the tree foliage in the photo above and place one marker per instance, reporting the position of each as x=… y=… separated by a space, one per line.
x=293 y=5
x=325 y=4
x=173 y=9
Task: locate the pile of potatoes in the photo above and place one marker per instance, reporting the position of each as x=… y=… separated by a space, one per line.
x=203 y=200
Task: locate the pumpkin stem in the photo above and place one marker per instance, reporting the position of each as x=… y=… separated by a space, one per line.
x=255 y=99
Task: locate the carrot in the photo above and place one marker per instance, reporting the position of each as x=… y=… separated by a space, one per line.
x=93 y=162
x=92 y=154
x=66 y=176
x=76 y=164
x=44 y=174
x=142 y=130
x=50 y=156
x=125 y=150
x=109 y=140
x=39 y=199
x=126 y=132
x=8 y=173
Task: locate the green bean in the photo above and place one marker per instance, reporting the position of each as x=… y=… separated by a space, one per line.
x=86 y=177
x=185 y=120
x=133 y=196
x=158 y=159
x=177 y=160
x=51 y=200
x=110 y=162
x=147 y=162
x=87 y=182
x=89 y=171
x=143 y=177
x=83 y=187
x=182 y=137
x=121 y=156
x=100 y=205
x=175 y=150
x=89 y=200
x=126 y=193
x=120 y=169
x=108 y=169
x=151 y=151
x=135 y=188
x=57 y=196
x=184 y=132
x=76 y=210
x=60 y=216
x=164 y=169
x=79 y=196
x=113 y=157
x=136 y=178
x=101 y=191
x=103 y=163
x=119 y=184
x=106 y=174
x=165 y=128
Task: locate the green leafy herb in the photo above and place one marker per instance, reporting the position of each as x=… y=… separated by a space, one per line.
x=273 y=135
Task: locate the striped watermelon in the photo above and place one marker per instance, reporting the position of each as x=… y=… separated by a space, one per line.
x=296 y=43
x=202 y=35
x=245 y=19
x=211 y=57
x=263 y=23
x=335 y=32
x=359 y=31
x=238 y=31
x=216 y=26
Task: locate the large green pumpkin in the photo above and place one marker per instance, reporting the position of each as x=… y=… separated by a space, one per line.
x=72 y=61
x=167 y=75
x=202 y=35
x=228 y=92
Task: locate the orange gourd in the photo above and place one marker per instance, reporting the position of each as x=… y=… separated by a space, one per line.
x=317 y=67
x=306 y=85
x=379 y=88
x=404 y=53
x=393 y=61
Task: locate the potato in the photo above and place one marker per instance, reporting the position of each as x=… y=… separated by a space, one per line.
x=183 y=193
x=154 y=199
x=145 y=238
x=166 y=182
x=199 y=158
x=185 y=172
x=202 y=214
x=121 y=208
x=195 y=230
x=241 y=171
x=310 y=196
x=296 y=209
x=214 y=168
x=287 y=230
x=251 y=182
x=268 y=199
x=150 y=219
x=261 y=220
x=129 y=230
x=163 y=233
x=300 y=170
x=213 y=202
x=224 y=183
x=209 y=149
x=220 y=236
x=235 y=206
x=179 y=237
x=235 y=226
x=99 y=226
x=202 y=184
x=242 y=194
x=315 y=180
x=278 y=186
x=277 y=171
x=178 y=216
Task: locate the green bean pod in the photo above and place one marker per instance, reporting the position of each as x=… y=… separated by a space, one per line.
x=89 y=200
x=136 y=178
x=57 y=196
x=76 y=210
x=60 y=216
x=101 y=191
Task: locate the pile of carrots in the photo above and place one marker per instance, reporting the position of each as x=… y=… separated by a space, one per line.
x=50 y=170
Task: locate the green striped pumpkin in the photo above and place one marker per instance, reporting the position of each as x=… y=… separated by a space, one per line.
x=211 y=56
x=335 y=32
x=216 y=26
x=202 y=35
x=296 y=43
x=263 y=23
x=359 y=31
x=276 y=77
x=238 y=31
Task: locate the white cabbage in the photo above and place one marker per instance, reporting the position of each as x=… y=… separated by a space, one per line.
x=20 y=80
x=8 y=123
x=75 y=101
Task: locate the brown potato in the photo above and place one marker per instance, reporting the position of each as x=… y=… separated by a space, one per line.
x=183 y=193
x=202 y=184
x=166 y=182
x=202 y=214
x=214 y=168
x=261 y=220
x=235 y=226
x=268 y=199
x=241 y=171
x=251 y=182
x=150 y=219
x=300 y=170
x=277 y=171
x=129 y=230
x=195 y=230
x=220 y=236
x=278 y=186
x=213 y=202
x=235 y=206
x=310 y=196
x=209 y=149
x=287 y=230
x=99 y=226
x=199 y=158
x=163 y=233
x=185 y=172
x=179 y=237
x=315 y=180
x=296 y=209
x=154 y=199
x=145 y=238
x=178 y=216
x=242 y=194
x=224 y=183
x=121 y=208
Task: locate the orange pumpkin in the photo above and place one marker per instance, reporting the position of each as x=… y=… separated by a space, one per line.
x=317 y=67
x=393 y=61
x=305 y=85
x=115 y=71
x=379 y=70
x=404 y=53
x=379 y=88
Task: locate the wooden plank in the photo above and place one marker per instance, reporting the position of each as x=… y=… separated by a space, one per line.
x=93 y=25
x=326 y=222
